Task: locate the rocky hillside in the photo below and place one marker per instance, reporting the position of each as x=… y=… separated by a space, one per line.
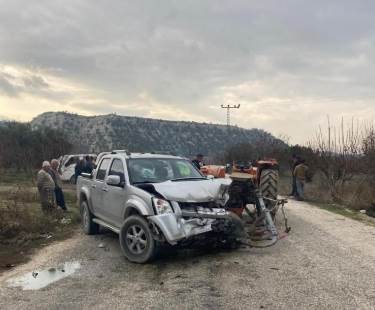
x=107 y=132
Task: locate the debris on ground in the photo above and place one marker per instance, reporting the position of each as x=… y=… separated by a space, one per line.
x=101 y=245
x=46 y=236
x=65 y=221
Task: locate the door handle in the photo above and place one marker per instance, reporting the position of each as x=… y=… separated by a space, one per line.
x=93 y=186
x=104 y=189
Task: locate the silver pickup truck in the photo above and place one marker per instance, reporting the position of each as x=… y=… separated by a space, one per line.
x=149 y=200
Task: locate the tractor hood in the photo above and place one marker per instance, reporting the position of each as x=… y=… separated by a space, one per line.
x=193 y=190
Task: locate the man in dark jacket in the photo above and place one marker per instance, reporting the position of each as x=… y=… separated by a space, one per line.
x=89 y=165
x=198 y=161
x=78 y=169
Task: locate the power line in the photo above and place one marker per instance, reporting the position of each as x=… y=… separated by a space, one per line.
x=229 y=107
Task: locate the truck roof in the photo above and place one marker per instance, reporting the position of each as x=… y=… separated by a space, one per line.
x=142 y=155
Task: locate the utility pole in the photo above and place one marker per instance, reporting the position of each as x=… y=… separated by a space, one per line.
x=229 y=107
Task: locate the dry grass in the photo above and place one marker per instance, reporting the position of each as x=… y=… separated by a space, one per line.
x=357 y=194
x=21 y=215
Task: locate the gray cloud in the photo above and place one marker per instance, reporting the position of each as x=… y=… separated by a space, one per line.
x=182 y=53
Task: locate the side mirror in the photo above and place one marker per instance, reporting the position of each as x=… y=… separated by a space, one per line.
x=113 y=180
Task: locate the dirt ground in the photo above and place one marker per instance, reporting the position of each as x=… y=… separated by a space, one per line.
x=327 y=262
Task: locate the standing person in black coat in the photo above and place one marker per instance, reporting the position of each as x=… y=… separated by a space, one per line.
x=78 y=169
x=198 y=161
x=89 y=165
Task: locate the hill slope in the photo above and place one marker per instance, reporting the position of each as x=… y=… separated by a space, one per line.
x=107 y=132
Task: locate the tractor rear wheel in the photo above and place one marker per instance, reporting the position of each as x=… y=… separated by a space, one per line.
x=268 y=185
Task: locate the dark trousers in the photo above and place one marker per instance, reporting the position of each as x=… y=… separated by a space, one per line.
x=60 y=201
x=294 y=187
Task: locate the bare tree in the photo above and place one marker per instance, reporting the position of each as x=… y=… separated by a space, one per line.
x=338 y=155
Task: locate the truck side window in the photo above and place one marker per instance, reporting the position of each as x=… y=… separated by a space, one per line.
x=117 y=168
x=103 y=169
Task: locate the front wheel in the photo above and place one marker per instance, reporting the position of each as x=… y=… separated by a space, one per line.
x=136 y=240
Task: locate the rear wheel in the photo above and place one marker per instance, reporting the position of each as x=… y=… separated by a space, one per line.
x=136 y=240
x=88 y=226
x=73 y=180
x=268 y=185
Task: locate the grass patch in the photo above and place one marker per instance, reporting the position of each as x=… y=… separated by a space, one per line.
x=24 y=227
x=349 y=213
x=14 y=177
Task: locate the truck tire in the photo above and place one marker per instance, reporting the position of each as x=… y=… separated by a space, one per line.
x=268 y=185
x=88 y=226
x=136 y=240
x=73 y=180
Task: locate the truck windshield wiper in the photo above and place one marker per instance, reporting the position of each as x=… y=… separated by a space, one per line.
x=144 y=182
x=188 y=179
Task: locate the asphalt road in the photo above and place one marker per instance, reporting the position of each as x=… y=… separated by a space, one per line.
x=327 y=262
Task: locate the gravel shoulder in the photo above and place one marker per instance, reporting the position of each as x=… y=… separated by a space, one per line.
x=327 y=262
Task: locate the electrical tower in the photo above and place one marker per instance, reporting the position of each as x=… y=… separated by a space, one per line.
x=229 y=107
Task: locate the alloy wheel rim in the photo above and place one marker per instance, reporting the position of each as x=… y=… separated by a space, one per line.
x=136 y=239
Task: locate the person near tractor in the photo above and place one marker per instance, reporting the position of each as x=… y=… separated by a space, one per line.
x=295 y=162
x=198 y=161
x=300 y=173
x=46 y=187
x=59 y=194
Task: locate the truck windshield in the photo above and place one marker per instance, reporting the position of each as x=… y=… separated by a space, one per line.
x=156 y=170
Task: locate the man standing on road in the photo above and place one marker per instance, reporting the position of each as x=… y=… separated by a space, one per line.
x=198 y=161
x=60 y=201
x=300 y=173
x=295 y=163
x=46 y=187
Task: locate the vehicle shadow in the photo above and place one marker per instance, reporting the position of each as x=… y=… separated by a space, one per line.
x=185 y=251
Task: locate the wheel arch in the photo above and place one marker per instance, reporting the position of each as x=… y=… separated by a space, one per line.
x=136 y=206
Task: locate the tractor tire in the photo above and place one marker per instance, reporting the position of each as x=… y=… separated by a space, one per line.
x=269 y=185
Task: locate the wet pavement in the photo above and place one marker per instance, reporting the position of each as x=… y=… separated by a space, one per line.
x=325 y=263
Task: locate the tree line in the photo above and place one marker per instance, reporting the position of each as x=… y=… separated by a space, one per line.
x=24 y=148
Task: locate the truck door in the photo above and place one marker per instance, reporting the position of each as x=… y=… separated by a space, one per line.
x=114 y=196
x=98 y=188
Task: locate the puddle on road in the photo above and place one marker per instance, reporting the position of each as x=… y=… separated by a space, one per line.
x=39 y=279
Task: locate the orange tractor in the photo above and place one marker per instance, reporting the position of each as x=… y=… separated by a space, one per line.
x=254 y=190
x=264 y=174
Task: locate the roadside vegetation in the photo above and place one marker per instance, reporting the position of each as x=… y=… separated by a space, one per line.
x=23 y=226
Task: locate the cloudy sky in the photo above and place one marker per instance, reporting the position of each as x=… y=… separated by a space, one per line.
x=289 y=63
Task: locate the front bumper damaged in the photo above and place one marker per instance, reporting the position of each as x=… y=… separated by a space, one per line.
x=183 y=224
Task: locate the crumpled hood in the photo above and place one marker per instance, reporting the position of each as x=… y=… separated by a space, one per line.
x=193 y=191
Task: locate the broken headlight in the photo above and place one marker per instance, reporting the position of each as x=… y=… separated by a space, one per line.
x=162 y=206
